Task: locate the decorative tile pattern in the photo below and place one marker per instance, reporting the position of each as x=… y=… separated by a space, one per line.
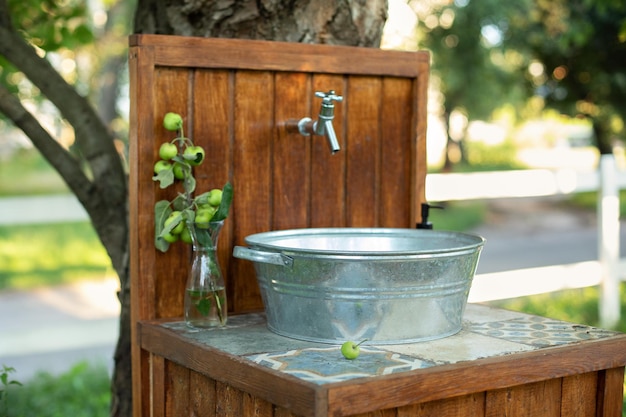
x=324 y=365
x=539 y=331
x=487 y=332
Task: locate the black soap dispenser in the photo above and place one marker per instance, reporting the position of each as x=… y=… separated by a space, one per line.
x=425 y=224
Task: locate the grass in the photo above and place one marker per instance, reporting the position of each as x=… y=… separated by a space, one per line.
x=50 y=254
x=34 y=173
x=83 y=391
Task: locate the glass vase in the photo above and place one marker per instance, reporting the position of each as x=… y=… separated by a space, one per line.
x=205 y=292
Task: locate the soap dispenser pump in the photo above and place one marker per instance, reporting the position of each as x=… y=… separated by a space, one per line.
x=425 y=224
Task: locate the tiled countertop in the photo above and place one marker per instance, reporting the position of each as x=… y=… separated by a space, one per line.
x=487 y=332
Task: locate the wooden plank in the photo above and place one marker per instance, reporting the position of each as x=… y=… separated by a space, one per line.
x=300 y=397
x=212 y=121
x=328 y=178
x=279 y=56
x=229 y=400
x=538 y=399
x=154 y=400
x=291 y=153
x=256 y=407
x=171 y=94
x=363 y=143
x=397 y=165
x=283 y=412
x=462 y=378
x=579 y=395
x=201 y=395
x=610 y=392
x=420 y=117
x=142 y=302
x=176 y=389
x=472 y=405
x=253 y=119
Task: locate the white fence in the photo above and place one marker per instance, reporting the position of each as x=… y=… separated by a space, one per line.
x=607 y=271
x=607 y=180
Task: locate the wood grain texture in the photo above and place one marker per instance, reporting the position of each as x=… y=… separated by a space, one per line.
x=328 y=172
x=202 y=396
x=539 y=399
x=183 y=51
x=281 y=179
x=465 y=406
x=610 y=392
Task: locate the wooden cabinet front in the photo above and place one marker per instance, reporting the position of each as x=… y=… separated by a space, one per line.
x=501 y=364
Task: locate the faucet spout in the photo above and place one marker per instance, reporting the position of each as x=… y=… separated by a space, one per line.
x=329 y=132
x=324 y=125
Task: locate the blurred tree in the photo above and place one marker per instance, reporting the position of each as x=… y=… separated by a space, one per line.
x=570 y=55
x=31 y=30
x=468 y=65
x=577 y=53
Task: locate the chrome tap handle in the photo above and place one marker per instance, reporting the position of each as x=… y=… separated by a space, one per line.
x=329 y=97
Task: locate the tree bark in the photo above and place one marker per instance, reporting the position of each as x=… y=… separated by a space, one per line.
x=340 y=22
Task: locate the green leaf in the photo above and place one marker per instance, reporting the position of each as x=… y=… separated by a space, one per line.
x=224 y=208
x=165 y=177
x=162 y=210
x=189 y=184
x=167 y=229
x=204 y=306
x=83 y=34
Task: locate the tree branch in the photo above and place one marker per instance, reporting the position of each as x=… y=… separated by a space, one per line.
x=55 y=154
x=92 y=136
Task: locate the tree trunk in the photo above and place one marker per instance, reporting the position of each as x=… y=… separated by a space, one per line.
x=339 y=22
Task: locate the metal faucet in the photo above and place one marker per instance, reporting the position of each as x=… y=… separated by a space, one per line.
x=324 y=125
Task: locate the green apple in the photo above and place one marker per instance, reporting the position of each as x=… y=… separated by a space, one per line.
x=185 y=235
x=203 y=217
x=169 y=237
x=176 y=221
x=179 y=170
x=167 y=151
x=161 y=166
x=194 y=155
x=351 y=350
x=172 y=121
x=215 y=197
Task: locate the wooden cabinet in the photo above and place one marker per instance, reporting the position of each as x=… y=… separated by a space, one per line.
x=501 y=364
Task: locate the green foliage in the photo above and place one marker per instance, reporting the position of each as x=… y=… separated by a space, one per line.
x=6 y=383
x=52 y=25
x=589 y=200
x=484 y=157
x=458 y=215
x=48 y=254
x=84 y=391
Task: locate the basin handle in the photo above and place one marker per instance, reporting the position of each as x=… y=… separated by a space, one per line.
x=254 y=255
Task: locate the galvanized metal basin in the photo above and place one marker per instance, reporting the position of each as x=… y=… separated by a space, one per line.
x=381 y=284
